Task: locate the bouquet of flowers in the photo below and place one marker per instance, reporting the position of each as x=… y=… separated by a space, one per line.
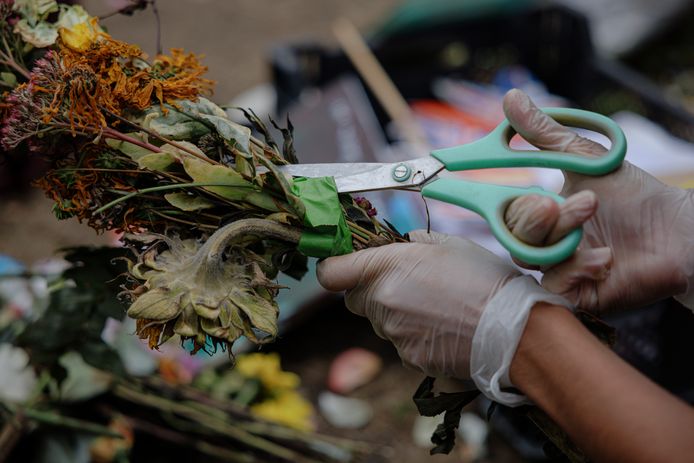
x=135 y=146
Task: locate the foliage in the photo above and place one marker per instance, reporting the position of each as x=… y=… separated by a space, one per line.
x=77 y=313
x=134 y=146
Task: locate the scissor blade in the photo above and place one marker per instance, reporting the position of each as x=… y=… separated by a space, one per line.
x=368 y=176
x=338 y=169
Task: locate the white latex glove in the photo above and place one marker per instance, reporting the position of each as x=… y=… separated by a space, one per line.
x=648 y=226
x=450 y=307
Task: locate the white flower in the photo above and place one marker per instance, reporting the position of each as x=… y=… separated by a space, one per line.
x=17 y=378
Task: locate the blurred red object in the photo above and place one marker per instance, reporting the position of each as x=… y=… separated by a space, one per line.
x=352 y=369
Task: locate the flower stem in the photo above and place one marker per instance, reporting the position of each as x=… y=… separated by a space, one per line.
x=8 y=60
x=116 y=135
x=159 y=188
x=220 y=240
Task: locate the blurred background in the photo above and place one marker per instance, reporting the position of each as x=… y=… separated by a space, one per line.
x=451 y=62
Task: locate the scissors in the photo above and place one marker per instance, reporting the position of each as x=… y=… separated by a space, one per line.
x=489 y=201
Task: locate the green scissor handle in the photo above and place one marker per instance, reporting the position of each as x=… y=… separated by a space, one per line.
x=490 y=201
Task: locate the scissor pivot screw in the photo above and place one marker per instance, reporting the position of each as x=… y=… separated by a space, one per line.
x=401 y=172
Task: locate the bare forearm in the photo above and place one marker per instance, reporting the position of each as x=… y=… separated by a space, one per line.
x=608 y=408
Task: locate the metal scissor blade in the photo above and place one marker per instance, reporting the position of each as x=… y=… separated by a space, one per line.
x=369 y=176
x=338 y=169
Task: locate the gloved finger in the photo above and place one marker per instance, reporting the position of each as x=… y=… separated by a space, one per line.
x=535 y=221
x=574 y=212
x=587 y=265
x=342 y=273
x=531 y=218
x=356 y=302
x=543 y=131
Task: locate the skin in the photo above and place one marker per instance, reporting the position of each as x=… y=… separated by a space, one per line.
x=609 y=409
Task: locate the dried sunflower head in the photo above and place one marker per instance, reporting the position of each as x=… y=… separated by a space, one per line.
x=214 y=291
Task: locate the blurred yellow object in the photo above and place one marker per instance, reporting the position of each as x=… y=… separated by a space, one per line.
x=288 y=408
x=266 y=368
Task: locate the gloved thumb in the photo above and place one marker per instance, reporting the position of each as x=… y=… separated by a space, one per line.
x=342 y=273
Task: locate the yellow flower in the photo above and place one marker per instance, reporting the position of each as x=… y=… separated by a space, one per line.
x=287 y=408
x=266 y=368
x=81 y=36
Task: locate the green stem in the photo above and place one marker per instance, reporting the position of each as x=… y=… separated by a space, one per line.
x=54 y=419
x=208 y=420
x=159 y=188
x=186 y=222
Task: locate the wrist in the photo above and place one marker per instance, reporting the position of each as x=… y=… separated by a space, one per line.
x=499 y=332
x=546 y=331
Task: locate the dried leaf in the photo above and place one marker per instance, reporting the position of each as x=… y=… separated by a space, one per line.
x=236 y=135
x=430 y=404
x=156 y=161
x=235 y=188
x=188 y=202
x=40 y=35
x=158 y=304
x=134 y=152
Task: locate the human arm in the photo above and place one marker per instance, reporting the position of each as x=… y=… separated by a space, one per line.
x=452 y=309
x=611 y=411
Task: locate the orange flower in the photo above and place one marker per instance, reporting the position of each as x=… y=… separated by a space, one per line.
x=113 y=76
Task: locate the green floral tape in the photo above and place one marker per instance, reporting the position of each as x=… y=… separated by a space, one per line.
x=327 y=234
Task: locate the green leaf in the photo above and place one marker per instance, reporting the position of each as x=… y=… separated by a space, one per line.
x=236 y=135
x=236 y=187
x=188 y=202
x=288 y=150
x=8 y=78
x=262 y=200
x=156 y=161
x=181 y=122
x=174 y=125
x=134 y=152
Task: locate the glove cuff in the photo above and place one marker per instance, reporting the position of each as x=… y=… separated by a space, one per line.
x=685 y=253
x=498 y=333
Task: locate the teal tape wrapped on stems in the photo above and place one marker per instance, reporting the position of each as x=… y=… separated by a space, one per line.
x=327 y=232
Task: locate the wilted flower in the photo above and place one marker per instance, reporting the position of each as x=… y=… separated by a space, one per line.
x=78 y=30
x=215 y=290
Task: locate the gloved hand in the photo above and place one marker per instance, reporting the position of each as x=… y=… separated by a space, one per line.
x=638 y=244
x=450 y=307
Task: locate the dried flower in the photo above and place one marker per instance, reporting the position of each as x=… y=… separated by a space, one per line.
x=215 y=290
x=80 y=36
